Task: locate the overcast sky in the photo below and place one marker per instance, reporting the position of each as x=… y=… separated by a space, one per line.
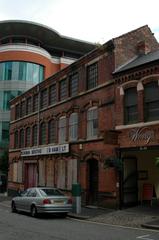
x=90 y=20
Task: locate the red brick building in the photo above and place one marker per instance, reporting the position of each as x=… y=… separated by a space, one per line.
x=83 y=124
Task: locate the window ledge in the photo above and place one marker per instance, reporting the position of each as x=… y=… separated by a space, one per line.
x=141 y=124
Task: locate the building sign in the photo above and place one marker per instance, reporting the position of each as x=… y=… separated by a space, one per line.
x=145 y=135
x=55 y=149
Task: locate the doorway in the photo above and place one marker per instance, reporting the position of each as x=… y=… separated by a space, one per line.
x=30 y=175
x=93 y=181
x=130 y=182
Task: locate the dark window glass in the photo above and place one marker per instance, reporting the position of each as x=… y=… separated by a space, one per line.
x=92 y=75
x=130 y=106
x=35 y=135
x=151 y=101
x=28 y=137
x=52 y=94
x=28 y=106
x=8 y=71
x=43 y=99
x=16 y=139
x=17 y=111
x=22 y=110
x=63 y=89
x=52 y=131
x=21 y=138
x=74 y=84
x=43 y=134
x=35 y=103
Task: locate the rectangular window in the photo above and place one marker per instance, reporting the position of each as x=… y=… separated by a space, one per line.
x=52 y=131
x=92 y=123
x=52 y=94
x=22 y=109
x=130 y=106
x=63 y=89
x=73 y=127
x=43 y=98
x=17 y=111
x=92 y=76
x=35 y=135
x=151 y=101
x=28 y=106
x=8 y=70
x=35 y=102
x=62 y=130
x=74 y=84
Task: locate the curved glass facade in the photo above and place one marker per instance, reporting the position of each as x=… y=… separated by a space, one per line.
x=22 y=71
x=28 y=72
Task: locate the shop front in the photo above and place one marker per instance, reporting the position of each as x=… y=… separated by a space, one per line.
x=139 y=149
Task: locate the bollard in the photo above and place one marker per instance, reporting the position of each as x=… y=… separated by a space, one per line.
x=76 y=194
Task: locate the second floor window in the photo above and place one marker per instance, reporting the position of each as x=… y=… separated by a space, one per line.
x=52 y=94
x=17 y=111
x=92 y=122
x=22 y=110
x=130 y=106
x=73 y=127
x=62 y=130
x=63 y=89
x=74 y=84
x=28 y=106
x=35 y=102
x=151 y=101
x=43 y=99
x=92 y=76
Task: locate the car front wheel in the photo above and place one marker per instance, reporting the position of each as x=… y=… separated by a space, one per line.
x=33 y=211
x=14 y=209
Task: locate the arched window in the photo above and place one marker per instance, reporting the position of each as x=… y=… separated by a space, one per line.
x=43 y=133
x=52 y=131
x=151 y=101
x=35 y=135
x=62 y=130
x=92 y=122
x=73 y=127
x=21 y=138
x=130 y=106
x=16 y=139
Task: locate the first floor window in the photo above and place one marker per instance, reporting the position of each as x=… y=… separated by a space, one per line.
x=62 y=130
x=73 y=127
x=35 y=135
x=52 y=131
x=43 y=134
x=151 y=101
x=130 y=106
x=92 y=122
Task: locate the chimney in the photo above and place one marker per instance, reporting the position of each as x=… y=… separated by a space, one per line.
x=142 y=48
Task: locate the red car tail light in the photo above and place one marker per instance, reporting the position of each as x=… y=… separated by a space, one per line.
x=69 y=201
x=46 y=201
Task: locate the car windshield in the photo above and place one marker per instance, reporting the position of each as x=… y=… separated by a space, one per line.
x=50 y=192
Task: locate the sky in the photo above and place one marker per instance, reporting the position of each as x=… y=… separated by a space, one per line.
x=95 y=21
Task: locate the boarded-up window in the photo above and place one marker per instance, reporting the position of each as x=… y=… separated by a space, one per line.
x=50 y=173
x=41 y=173
x=71 y=173
x=15 y=170
x=19 y=173
x=61 y=174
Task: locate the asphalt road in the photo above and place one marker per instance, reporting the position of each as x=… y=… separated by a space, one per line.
x=15 y=226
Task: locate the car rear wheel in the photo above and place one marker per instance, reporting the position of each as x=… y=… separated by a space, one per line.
x=14 y=209
x=33 y=211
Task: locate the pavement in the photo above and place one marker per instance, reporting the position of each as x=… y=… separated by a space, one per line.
x=141 y=216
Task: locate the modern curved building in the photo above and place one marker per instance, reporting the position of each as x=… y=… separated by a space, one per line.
x=30 y=53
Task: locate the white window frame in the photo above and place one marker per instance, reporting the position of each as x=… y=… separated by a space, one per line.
x=73 y=127
x=62 y=130
x=92 y=120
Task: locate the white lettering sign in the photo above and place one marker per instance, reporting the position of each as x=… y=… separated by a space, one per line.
x=142 y=134
x=55 y=149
